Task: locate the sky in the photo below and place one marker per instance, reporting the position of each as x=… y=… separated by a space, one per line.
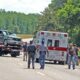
x=24 y=6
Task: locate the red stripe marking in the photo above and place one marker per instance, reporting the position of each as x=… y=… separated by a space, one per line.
x=42 y=33
x=57 y=48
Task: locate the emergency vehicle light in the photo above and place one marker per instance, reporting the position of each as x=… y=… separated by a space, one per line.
x=65 y=35
x=42 y=33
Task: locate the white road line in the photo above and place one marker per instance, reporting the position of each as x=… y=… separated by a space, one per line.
x=42 y=74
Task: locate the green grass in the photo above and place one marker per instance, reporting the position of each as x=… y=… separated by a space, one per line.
x=24 y=36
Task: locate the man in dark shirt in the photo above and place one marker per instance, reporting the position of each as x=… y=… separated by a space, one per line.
x=31 y=54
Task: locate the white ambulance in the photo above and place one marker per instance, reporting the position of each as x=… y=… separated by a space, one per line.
x=56 y=42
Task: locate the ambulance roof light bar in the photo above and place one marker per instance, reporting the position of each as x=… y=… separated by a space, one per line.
x=65 y=35
x=42 y=33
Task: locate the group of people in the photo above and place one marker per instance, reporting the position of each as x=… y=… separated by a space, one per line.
x=73 y=57
x=30 y=51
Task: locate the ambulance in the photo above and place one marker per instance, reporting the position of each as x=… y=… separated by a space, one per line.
x=56 y=43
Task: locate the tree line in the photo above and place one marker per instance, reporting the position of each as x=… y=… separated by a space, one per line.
x=64 y=16
x=18 y=22
x=60 y=15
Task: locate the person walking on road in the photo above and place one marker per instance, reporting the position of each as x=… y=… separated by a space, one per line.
x=42 y=52
x=24 y=51
x=31 y=54
x=76 y=53
x=71 y=57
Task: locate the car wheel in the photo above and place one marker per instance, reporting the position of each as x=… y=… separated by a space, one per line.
x=13 y=55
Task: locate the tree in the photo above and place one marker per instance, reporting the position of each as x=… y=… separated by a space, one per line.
x=18 y=22
x=64 y=15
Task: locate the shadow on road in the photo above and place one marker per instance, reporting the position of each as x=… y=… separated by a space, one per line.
x=8 y=56
x=52 y=62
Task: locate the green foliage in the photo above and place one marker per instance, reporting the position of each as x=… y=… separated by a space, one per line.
x=49 y=20
x=62 y=15
x=77 y=39
x=69 y=17
x=18 y=22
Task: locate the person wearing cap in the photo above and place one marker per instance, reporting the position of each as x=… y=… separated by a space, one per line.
x=31 y=54
x=42 y=52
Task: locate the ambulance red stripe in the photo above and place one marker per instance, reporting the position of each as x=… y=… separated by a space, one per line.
x=57 y=48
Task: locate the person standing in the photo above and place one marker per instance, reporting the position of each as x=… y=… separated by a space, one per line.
x=31 y=54
x=24 y=51
x=79 y=55
x=42 y=52
x=71 y=56
x=76 y=55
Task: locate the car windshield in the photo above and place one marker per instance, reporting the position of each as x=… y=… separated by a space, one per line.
x=16 y=39
x=13 y=35
x=5 y=32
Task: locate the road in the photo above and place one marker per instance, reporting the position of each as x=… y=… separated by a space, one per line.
x=16 y=69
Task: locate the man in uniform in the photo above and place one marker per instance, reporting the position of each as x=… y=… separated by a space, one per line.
x=42 y=52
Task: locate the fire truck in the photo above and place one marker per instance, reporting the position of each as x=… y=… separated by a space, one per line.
x=56 y=43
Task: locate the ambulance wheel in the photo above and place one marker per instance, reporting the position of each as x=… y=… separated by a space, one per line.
x=55 y=62
x=13 y=55
x=0 y=52
x=37 y=60
x=62 y=62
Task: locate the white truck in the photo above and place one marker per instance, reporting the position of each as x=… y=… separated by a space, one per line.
x=56 y=42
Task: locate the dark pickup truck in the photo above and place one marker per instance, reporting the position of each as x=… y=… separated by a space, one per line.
x=9 y=44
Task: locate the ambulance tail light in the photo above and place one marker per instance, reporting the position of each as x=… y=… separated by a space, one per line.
x=42 y=33
x=65 y=35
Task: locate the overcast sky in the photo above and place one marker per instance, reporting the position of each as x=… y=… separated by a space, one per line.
x=24 y=6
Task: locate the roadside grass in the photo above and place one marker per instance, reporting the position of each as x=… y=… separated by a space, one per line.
x=24 y=36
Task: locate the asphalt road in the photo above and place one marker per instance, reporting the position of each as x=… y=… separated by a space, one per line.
x=16 y=69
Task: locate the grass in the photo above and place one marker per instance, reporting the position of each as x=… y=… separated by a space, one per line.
x=24 y=36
